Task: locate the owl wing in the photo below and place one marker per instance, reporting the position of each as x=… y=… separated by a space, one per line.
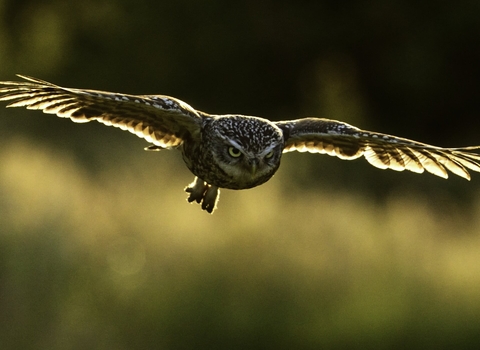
x=161 y=120
x=382 y=151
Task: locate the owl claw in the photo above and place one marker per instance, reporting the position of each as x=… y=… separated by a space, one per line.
x=197 y=190
x=210 y=198
x=204 y=193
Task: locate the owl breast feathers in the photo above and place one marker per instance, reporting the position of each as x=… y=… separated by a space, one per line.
x=233 y=151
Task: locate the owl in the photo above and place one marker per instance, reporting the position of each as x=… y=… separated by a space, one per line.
x=233 y=151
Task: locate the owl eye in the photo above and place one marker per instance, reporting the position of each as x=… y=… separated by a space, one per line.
x=269 y=155
x=234 y=152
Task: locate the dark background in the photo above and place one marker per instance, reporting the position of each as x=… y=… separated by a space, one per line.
x=403 y=68
x=329 y=254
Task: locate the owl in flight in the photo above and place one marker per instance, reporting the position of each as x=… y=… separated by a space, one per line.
x=233 y=151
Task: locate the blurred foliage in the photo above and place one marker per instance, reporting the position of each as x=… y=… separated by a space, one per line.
x=111 y=262
x=98 y=248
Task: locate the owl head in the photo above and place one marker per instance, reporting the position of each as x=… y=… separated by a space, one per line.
x=248 y=150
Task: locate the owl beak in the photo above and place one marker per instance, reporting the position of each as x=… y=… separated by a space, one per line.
x=253 y=166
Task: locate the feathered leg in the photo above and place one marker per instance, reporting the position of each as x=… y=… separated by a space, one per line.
x=203 y=193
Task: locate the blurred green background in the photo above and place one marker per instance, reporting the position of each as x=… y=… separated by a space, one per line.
x=99 y=248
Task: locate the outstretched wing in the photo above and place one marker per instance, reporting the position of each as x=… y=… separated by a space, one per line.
x=161 y=120
x=383 y=151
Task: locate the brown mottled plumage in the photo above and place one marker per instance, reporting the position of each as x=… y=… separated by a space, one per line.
x=233 y=151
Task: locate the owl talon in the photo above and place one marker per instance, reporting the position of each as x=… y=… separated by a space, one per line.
x=197 y=190
x=202 y=192
x=210 y=198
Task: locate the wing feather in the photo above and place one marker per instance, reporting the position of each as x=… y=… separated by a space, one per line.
x=161 y=120
x=383 y=151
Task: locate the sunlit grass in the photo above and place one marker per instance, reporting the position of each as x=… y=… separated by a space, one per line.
x=118 y=259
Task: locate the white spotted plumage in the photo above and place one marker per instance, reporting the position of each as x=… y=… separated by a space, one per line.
x=233 y=151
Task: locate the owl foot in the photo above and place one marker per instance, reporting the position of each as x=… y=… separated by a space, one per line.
x=204 y=193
